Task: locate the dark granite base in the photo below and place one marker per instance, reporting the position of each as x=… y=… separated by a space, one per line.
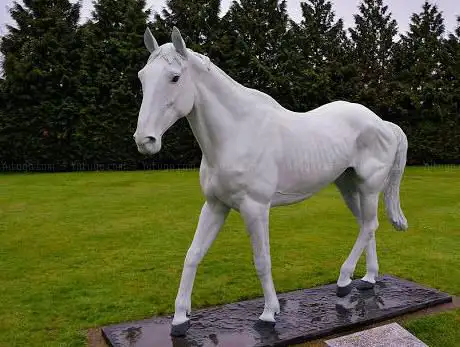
x=305 y=315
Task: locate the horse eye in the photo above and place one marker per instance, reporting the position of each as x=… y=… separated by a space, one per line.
x=175 y=79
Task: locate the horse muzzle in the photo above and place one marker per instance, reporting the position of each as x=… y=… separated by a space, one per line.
x=148 y=145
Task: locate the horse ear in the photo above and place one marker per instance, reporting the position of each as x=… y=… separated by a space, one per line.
x=178 y=42
x=150 y=41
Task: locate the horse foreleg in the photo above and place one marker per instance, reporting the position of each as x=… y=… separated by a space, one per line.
x=211 y=219
x=368 y=226
x=256 y=217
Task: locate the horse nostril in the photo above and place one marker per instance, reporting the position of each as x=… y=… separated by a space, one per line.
x=151 y=139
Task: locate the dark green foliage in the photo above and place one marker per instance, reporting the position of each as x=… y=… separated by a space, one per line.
x=373 y=41
x=110 y=91
x=197 y=20
x=41 y=60
x=70 y=93
x=251 y=45
x=426 y=88
x=323 y=68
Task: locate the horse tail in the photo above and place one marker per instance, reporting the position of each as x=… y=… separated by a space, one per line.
x=392 y=184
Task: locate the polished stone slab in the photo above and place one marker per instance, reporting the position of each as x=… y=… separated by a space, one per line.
x=386 y=335
x=305 y=315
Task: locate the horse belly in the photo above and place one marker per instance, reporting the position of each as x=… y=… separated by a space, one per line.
x=302 y=185
x=308 y=167
x=283 y=199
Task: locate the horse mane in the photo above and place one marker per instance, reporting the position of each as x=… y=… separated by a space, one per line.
x=254 y=92
x=170 y=54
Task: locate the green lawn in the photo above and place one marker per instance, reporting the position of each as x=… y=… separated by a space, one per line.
x=82 y=250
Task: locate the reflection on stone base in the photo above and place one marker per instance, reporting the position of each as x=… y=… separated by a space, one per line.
x=305 y=315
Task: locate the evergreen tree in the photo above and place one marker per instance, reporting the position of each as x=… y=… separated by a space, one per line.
x=4 y=154
x=321 y=35
x=72 y=93
x=373 y=46
x=452 y=84
x=110 y=96
x=252 y=45
x=453 y=66
x=198 y=22
x=41 y=54
x=322 y=43
x=424 y=86
x=422 y=47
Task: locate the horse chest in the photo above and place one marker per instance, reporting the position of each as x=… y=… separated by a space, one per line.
x=224 y=186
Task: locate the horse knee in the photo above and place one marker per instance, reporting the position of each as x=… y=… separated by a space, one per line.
x=370 y=227
x=194 y=257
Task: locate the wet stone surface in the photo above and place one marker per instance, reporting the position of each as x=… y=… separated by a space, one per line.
x=305 y=315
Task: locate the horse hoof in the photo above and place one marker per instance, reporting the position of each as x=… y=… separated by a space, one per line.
x=364 y=285
x=268 y=317
x=344 y=291
x=180 y=329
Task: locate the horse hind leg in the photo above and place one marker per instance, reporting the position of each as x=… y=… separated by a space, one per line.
x=369 y=190
x=347 y=185
x=361 y=197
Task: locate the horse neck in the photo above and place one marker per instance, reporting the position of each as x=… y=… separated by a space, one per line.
x=220 y=112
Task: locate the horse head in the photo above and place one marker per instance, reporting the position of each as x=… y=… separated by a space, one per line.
x=167 y=88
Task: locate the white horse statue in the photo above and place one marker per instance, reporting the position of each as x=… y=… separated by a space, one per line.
x=257 y=155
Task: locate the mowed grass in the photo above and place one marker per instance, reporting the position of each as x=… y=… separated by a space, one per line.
x=81 y=250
